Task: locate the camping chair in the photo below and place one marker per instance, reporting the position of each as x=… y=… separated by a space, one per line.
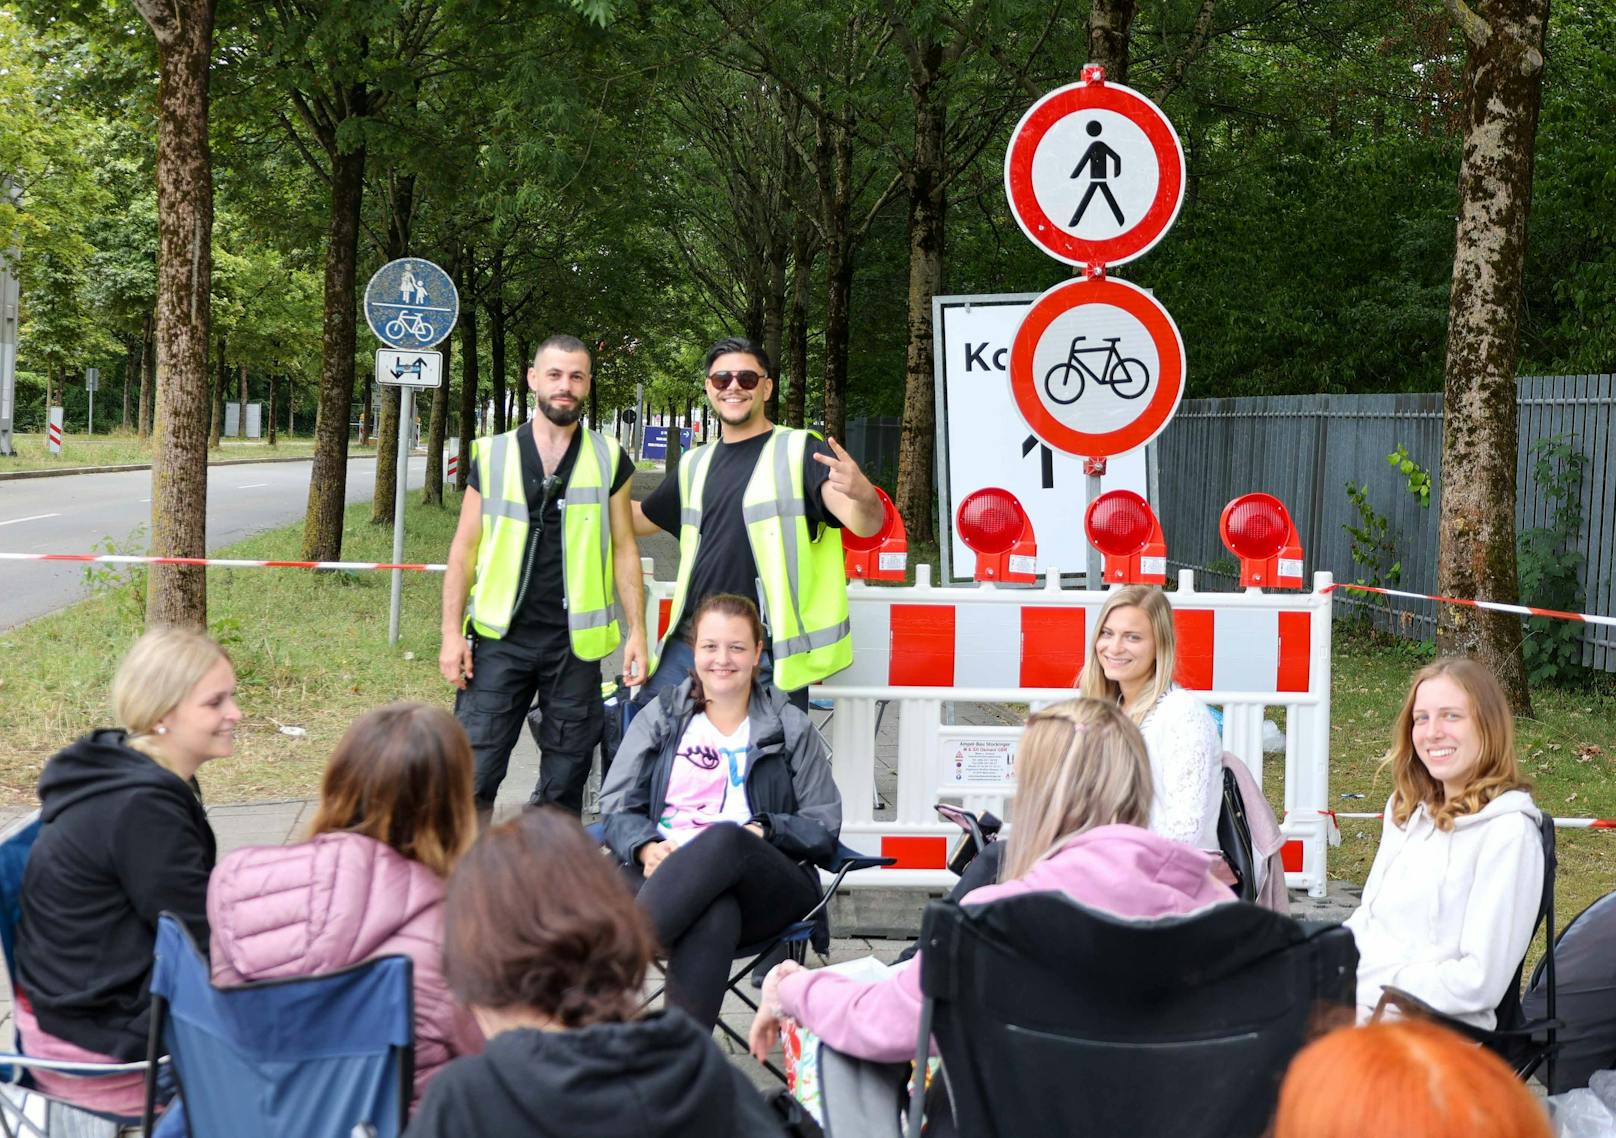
x=1523 y=1044
x=24 y=1109
x=1053 y=1018
x=325 y=1056
x=1585 y=988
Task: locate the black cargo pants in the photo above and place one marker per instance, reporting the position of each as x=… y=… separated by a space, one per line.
x=506 y=676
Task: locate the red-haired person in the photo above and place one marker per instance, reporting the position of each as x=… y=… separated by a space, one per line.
x=395 y=813
x=1406 y=1077
x=1453 y=894
x=721 y=802
x=548 y=949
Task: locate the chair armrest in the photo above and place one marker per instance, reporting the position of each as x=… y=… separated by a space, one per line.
x=66 y=1067
x=1411 y=1005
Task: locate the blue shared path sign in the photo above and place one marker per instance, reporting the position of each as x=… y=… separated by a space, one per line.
x=411 y=303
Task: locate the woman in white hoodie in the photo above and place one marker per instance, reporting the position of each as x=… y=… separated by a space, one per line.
x=1452 y=898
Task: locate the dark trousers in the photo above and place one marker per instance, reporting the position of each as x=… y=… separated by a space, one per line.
x=506 y=676
x=726 y=888
x=679 y=659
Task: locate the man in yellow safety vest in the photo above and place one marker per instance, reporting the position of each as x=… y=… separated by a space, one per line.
x=760 y=513
x=543 y=551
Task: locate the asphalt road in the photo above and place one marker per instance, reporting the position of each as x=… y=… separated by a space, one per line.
x=73 y=513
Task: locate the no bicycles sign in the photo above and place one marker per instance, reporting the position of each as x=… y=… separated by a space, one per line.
x=1097 y=367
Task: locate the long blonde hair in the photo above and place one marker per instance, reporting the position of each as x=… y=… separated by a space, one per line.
x=1153 y=603
x=1080 y=764
x=155 y=677
x=1496 y=769
x=402 y=775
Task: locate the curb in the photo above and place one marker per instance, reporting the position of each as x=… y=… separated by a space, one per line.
x=18 y=475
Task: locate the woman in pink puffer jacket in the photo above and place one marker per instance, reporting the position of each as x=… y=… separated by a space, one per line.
x=395 y=812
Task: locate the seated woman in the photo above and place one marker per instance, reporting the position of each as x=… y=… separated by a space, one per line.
x=395 y=812
x=721 y=802
x=124 y=838
x=1131 y=656
x=549 y=951
x=1453 y=894
x=1409 y=1078
x=1083 y=794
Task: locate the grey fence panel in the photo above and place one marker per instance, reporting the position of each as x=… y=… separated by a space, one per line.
x=1305 y=449
x=873 y=443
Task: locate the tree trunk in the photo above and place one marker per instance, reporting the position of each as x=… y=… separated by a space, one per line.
x=131 y=370
x=1110 y=25
x=328 y=480
x=774 y=310
x=400 y=204
x=177 y=594
x=148 y=376
x=496 y=339
x=802 y=284
x=271 y=416
x=675 y=442
x=838 y=301
x=216 y=410
x=468 y=386
x=1503 y=89
x=437 y=426
x=916 y=500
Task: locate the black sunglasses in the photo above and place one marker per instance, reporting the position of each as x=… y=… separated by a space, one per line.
x=747 y=379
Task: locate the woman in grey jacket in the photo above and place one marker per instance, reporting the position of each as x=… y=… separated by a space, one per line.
x=720 y=803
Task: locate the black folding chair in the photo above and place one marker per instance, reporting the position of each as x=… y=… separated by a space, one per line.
x=1522 y=1043
x=1052 y=1018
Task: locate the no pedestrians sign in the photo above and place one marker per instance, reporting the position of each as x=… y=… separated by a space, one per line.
x=1094 y=173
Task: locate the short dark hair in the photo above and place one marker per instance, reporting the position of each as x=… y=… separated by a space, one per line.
x=563 y=343
x=736 y=344
x=574 y=948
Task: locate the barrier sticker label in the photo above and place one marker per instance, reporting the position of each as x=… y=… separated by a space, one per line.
x=984 y=760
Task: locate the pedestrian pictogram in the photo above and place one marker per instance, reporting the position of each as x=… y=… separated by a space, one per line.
x=1097 y=367
x=411 y=303
x=1094 y=173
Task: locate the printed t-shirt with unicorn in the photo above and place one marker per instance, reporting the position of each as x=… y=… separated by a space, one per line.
x=708 y=782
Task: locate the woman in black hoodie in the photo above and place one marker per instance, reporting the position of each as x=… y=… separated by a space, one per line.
x=123 y=838
x=546 y=947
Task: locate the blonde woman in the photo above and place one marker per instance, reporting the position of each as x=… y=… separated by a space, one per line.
x=394 y=816
x=1453 y=894
x=1083 y=796
x=123 y=838
x=1130 y=662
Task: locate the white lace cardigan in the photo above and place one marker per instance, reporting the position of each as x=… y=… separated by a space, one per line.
x=1186 y=768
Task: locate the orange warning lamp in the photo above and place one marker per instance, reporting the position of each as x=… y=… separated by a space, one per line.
x=884 y=555
x=993 y=525
x=1258 y=529
x=1122 y=526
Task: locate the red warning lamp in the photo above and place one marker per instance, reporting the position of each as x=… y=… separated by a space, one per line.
x=994 y=526
x=884 y=555
x=1258 y=529
x=1122 y=526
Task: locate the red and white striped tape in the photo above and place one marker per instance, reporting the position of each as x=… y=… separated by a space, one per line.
x=454 y=465
x=1490 y=606
x=1559 y=823
x=55 y=434
x=216 y=562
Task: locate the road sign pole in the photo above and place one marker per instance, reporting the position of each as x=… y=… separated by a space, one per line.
x=1091 y=490
x=637 y=428
x=406 y=412
x=91 y=429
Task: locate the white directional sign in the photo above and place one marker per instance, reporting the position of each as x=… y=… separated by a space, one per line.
x=1094 y=173
x=409 y=369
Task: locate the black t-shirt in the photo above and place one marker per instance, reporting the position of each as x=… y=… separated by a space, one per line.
x=541 y=602
x=724 y=561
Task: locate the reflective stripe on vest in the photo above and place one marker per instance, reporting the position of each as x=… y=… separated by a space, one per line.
x=586 y=542
x=803 y=581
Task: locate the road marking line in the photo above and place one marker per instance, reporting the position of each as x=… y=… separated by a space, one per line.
x=29 y=518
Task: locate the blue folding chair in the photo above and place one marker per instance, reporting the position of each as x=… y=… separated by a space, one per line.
x=27 y=1110
x=324 y=1056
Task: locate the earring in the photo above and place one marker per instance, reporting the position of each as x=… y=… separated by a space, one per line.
x=161 y=730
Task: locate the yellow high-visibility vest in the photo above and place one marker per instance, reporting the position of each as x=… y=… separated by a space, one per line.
x=804 y=580
x=586 y=542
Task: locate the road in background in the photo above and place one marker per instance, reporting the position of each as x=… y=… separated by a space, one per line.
x=74 y=513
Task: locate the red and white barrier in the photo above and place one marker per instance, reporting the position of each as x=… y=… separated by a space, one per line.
x=217 y=562
x=53 y=431
x=1490 y=606
x=1559 y=823
x=918 y=648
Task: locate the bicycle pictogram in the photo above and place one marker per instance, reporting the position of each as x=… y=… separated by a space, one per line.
x=408 y=323
x=1127 y=376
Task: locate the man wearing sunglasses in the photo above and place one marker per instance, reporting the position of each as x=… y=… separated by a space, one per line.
x=760 y=513
x=544 y=547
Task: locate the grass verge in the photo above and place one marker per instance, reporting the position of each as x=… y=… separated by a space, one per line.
x=121 y=448
x=310 y=651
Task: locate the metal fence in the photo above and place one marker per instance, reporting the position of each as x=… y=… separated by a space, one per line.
x=1305 y=449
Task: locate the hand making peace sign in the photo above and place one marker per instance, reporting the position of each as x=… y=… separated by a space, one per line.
x=848 y=493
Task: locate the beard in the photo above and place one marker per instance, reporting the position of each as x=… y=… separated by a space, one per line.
x=561 y=416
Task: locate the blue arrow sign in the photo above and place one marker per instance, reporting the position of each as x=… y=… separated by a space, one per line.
x=411 y=303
